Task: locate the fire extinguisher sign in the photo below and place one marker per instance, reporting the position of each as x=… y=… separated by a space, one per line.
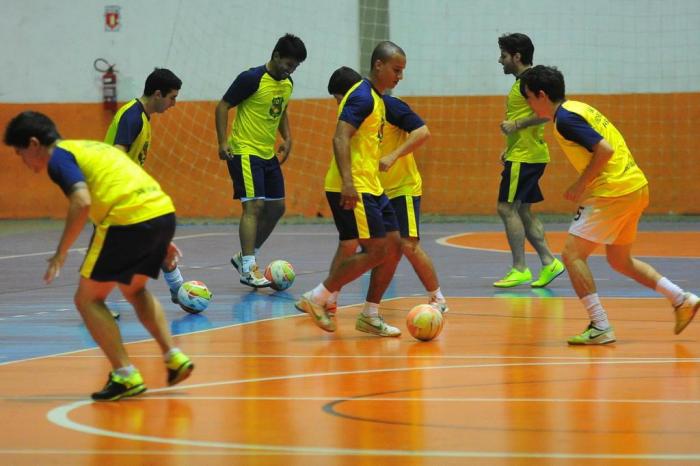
x=112 y=18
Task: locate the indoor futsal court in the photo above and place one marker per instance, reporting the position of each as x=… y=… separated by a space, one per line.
x=499 y=385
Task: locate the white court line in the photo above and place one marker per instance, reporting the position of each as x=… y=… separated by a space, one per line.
x=60 y=417
x=444 y=241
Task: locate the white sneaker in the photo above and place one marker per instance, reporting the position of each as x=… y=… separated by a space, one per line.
x=686 y=311
x=237 y=262
x=375 y=326
x=254 y=278
x=440 y=305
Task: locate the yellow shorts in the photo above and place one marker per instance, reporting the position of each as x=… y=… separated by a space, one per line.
x=610 y=220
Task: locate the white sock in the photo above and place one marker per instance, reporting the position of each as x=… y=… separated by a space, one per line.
x=174 y=278
x=437 y=296
x=247 y=263
x=320 y=294
x=370 y=309
x=333 y=298
x=595 y=311
x=170 y=353
x=672 y=291
x=125 y=371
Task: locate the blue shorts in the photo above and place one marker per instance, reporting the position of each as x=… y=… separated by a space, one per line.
x=407 y=210
x=118 y=252
x=520 y=182
x=256 y=178
x=372 y=217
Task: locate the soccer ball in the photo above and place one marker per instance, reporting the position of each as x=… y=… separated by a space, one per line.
x=194 y=296
x=281 y=274
x=424 y=322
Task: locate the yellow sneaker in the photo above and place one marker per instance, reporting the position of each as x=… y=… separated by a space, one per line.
x=179 y=368
x=548 y=273
x=514 y=278
x=119 y=387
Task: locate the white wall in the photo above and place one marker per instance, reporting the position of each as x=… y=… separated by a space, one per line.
x=602 y=46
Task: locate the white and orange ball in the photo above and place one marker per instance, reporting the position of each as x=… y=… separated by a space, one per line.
x=424 y=322
x=281 y=274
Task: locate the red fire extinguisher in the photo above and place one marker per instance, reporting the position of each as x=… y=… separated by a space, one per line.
x=109 y=84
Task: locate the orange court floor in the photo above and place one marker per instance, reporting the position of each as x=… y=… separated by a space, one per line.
x=498 y=386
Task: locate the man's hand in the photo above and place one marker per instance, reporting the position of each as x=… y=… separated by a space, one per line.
x=283 y=150
x=386 y=162
x=348 y=197
x=225 y=152
x=54 y=269
x=509 y=127
x=575 y=192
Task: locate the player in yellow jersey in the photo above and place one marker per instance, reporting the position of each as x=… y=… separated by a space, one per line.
x=130 y=131
x=404 y=132
x=524 y=161
x=134 y=226
x=362 y=212
x=261 y=96
x=611 y=192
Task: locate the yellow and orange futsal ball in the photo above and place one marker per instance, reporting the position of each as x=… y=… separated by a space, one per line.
x=424 y=322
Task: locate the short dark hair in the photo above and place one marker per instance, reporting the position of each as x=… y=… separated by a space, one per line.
x=163 y=80
x=342 y=80
x=384 y=51
x=30 y=124
x=518 y=43
x=544 y=78
x=290 y=46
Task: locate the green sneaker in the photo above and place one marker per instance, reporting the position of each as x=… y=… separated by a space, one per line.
x=179 y=368
x=119 y=387
x=316 y=311
x=514 y=278
x=375 y=326
x=593 y=336
x=548 y=273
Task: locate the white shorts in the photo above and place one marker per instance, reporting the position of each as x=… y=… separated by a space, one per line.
x=610 y=220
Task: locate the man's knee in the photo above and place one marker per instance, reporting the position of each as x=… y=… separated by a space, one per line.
x=409 y=246
x=507 y=209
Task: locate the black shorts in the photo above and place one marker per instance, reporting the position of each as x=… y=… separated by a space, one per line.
x=407 y=210
x=256 y=178
x=117 y=253
x=372 y=217
x=520 y=182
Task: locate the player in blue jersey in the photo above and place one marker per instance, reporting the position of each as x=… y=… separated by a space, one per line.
x=261 y=96
x=361 y=210
x=611 y=192
x=134 y=226
x=130 y=131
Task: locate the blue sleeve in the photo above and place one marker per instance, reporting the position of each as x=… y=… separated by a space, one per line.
x=358 y=106
x=130 y=125
x=64 y=170
x=399 y=114
x=575 y=128
x=244 y=86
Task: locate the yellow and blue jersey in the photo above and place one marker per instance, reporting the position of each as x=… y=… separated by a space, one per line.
x=131 y=128
x=403 y=178
x=363 y=108
x=578 y=127
x=526 y=144
x=260 y=100
x=121 y=192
